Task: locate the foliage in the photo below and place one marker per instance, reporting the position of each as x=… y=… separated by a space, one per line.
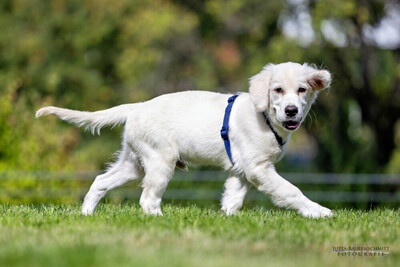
x=49 y=235
x=91 y=55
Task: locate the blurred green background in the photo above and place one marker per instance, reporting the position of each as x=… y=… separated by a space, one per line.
x=92 y=55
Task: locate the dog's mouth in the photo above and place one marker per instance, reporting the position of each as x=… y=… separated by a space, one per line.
x=291 y=125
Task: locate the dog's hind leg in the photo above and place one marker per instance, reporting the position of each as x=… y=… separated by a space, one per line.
x=159 y=170
x=235 y=191
x=126 y=169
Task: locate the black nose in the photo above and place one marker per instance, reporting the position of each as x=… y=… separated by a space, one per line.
x=291 y=111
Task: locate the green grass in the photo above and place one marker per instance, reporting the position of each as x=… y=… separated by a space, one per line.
x=121 y=235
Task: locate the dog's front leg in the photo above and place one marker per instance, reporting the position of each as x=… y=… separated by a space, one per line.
x=284 y=194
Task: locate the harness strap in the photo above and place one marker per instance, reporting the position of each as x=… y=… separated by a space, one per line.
x=277 y=136
x=225 y=127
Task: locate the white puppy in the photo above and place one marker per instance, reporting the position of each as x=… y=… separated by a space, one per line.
x=185 y=127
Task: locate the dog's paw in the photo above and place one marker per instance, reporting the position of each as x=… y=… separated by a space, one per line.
x=86 y=211
x=151 y=210
x=228 y=211
x=316 y=211
x=154 y=212
x=87 y=208
x=151 y=207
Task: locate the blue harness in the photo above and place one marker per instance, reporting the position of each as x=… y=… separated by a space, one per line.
x=225 y=128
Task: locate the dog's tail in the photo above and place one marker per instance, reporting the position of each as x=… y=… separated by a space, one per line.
x=92 y=120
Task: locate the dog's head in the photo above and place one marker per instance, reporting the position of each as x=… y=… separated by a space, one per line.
x=286 y=92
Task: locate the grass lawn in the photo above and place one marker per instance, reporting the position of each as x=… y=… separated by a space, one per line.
x=121 y=235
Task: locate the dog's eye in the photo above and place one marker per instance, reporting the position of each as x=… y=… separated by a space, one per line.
x=301 y=90
x=278 y=90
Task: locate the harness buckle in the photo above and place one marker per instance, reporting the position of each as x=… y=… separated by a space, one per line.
x=224 y=133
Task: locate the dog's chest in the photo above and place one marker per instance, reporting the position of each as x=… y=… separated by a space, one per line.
x=278 y=154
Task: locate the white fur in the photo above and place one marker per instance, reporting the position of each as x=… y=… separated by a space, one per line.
x=185 y=127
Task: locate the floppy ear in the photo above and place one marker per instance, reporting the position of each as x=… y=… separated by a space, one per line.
x=319 y=79
x=259 y=86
